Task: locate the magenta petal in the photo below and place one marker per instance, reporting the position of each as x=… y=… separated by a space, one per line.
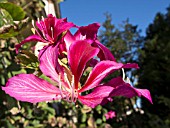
x=30 y=88
x=91 y=101
x=104 y=53
x=68 y=39
x=130 y=65
x=93 y=62
x=100 y=94
x=62 y=27
x=89 y=32
x=49 y=62
x=115 y=82
x=79 y=54
x=100 y=71
x=145 y=93
x=128 y=91
x=124 y=89
x=29 y=39
x=97 y=96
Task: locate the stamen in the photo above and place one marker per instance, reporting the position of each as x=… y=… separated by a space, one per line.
x=64 y=89
x=52 y=33
x=44 y=25
x=128 y=80
x=123 y=74
x=66 y=80
x=72 y=92
x=73 y=87
x=72 y=81
x=35 y=28
x=42 y=28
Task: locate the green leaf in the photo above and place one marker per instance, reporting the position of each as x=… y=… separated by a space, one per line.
x=49 y=109
x=9 y=34
x=28 y=60
x=30 y=55
x=5 y=19
x=99 y=108
x=98 y=121
x=104 y=118
x=13 y=67
x=84 y=118
x=12 y=102
x=15 y=11
x=8 y=124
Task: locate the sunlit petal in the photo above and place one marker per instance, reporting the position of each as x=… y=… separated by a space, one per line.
x=79 y=54
x=29 y=88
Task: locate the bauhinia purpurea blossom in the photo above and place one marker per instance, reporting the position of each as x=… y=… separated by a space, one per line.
x=71 y=78
x=49 y=31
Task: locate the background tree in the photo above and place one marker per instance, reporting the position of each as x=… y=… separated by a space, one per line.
x=124 y=42
x=155 y=71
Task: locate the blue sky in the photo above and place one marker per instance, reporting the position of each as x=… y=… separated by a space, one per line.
x=139 y=12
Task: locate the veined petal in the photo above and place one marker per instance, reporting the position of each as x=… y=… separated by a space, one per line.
x=100 y=71
x=79 y=54
x=96 y=97
x=49 y=64
x=30 y=88
x=29 y=39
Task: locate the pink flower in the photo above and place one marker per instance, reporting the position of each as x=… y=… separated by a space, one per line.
x=49 y=30
x=111 y=114
x=30 y=88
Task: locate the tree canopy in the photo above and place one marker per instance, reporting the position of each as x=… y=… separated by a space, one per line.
x=155 y=71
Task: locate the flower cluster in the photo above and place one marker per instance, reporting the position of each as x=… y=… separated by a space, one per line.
x=76 y=64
